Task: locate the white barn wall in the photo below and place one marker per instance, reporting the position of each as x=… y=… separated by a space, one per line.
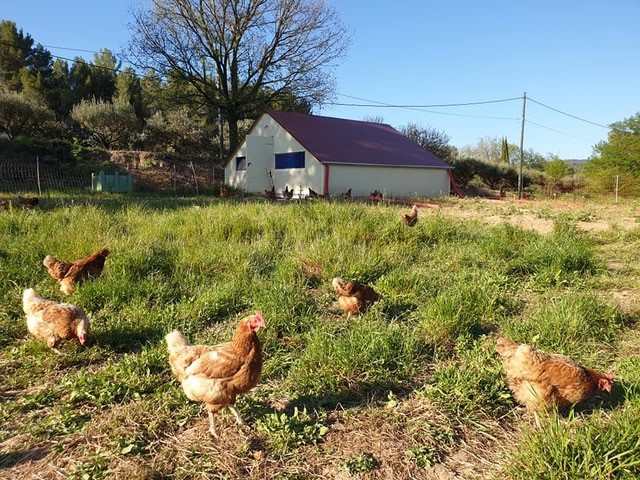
x=312 y=176
x=394 y=181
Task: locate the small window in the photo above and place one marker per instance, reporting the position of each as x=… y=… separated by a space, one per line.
x=241 y=163
x=289 y=160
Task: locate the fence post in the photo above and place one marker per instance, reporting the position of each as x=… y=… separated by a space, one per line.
x=174 y=177
x=616 y=189
x=194 y=177
x=38 y=175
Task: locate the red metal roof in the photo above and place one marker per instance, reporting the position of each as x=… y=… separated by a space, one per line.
x=352 y=142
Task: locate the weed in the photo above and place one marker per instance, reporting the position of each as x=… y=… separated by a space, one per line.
x=362 y=463
x=286 y=432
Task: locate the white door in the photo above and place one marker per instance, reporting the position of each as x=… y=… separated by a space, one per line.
x=260 y=163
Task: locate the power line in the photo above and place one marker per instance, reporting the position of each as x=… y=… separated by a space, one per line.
x=569 y=115
x=558 y=131
x=389 y=105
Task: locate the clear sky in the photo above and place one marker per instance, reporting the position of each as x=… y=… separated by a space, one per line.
x=579 y=57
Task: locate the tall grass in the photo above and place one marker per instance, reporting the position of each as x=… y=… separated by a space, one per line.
x=446 y=288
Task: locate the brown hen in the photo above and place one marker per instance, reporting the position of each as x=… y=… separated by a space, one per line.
x=217 y=374
x=354 y=297
x=68 y=274
x=540 y=380
x=54 y=322
x=411 y=218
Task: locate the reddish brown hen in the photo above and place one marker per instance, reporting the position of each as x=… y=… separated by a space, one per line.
x=68 y=274
x=54 y=322
x=217 y=374
x=354 y=297
x=540 y=380
x=411 y=218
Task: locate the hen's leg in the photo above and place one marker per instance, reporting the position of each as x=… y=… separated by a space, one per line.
x=212 y=426
x=239 y=419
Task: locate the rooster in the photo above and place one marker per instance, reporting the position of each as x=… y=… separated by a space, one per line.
x=286 y=193
x=27 y=202
x=346 y=194
x=54 y=322
x=354 y=297
x=411 y=218
x=68 y=274
x=216 y=375
x=541 y=381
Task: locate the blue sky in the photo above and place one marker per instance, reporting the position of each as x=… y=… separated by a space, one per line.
x=580 y=57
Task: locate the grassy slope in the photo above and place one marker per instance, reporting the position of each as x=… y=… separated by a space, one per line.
x=412 y=389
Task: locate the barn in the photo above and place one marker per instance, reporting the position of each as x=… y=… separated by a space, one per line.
x=331 y=156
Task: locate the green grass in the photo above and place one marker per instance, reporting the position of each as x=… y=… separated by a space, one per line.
x=447 y=288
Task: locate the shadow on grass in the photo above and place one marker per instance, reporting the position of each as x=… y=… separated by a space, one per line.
x=13 y=459
x=121 y=339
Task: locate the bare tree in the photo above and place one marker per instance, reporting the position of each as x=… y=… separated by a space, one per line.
x=241 y=56
x=435 y=141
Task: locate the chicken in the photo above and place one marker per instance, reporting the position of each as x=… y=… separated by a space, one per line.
x=5 y=204
x=270 y=194
x=411 y=218
x=27 y=202
x=375 y=196
x=540 y=380
x=286 y=193
x=68 y=274
x=224 y=193
x=354 y=297
x=216 y=375
x=52 y=321
x=314 y=194
x=346 y=194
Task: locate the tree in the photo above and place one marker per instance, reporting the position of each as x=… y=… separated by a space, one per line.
x=430 y=139
x=21 y=114
x=110 y=125
x=619 y=156
x=504 y=153
x=557 y=169
x=487 y=148
x=179 y=131
x=241 y=55
x=15 y=47
x=128 y=89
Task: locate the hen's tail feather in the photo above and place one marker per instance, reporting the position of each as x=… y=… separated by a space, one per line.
x=175 y=341
x=505 y=347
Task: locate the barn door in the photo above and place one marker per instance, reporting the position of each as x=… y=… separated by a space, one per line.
x=259 y=163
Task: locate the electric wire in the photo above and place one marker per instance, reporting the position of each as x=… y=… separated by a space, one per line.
x=558 y=131
x=568 y=114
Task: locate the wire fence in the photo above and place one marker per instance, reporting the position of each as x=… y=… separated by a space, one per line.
x=38 y=178
x=41 y=178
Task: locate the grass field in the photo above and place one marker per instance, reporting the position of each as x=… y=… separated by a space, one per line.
x=411 y=389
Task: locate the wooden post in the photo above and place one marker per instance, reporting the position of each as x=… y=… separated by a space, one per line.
x=195 y=179
x=520 y=182
x=616 y=190
x=38 y=175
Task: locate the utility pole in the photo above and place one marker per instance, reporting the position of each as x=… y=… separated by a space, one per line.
x=524 y=109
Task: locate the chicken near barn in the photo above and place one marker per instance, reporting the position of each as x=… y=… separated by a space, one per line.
x=314 y=194
x=286 y=193
x=346 y=194
x=217 y=374
x=270 y=194
x=410 y=219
